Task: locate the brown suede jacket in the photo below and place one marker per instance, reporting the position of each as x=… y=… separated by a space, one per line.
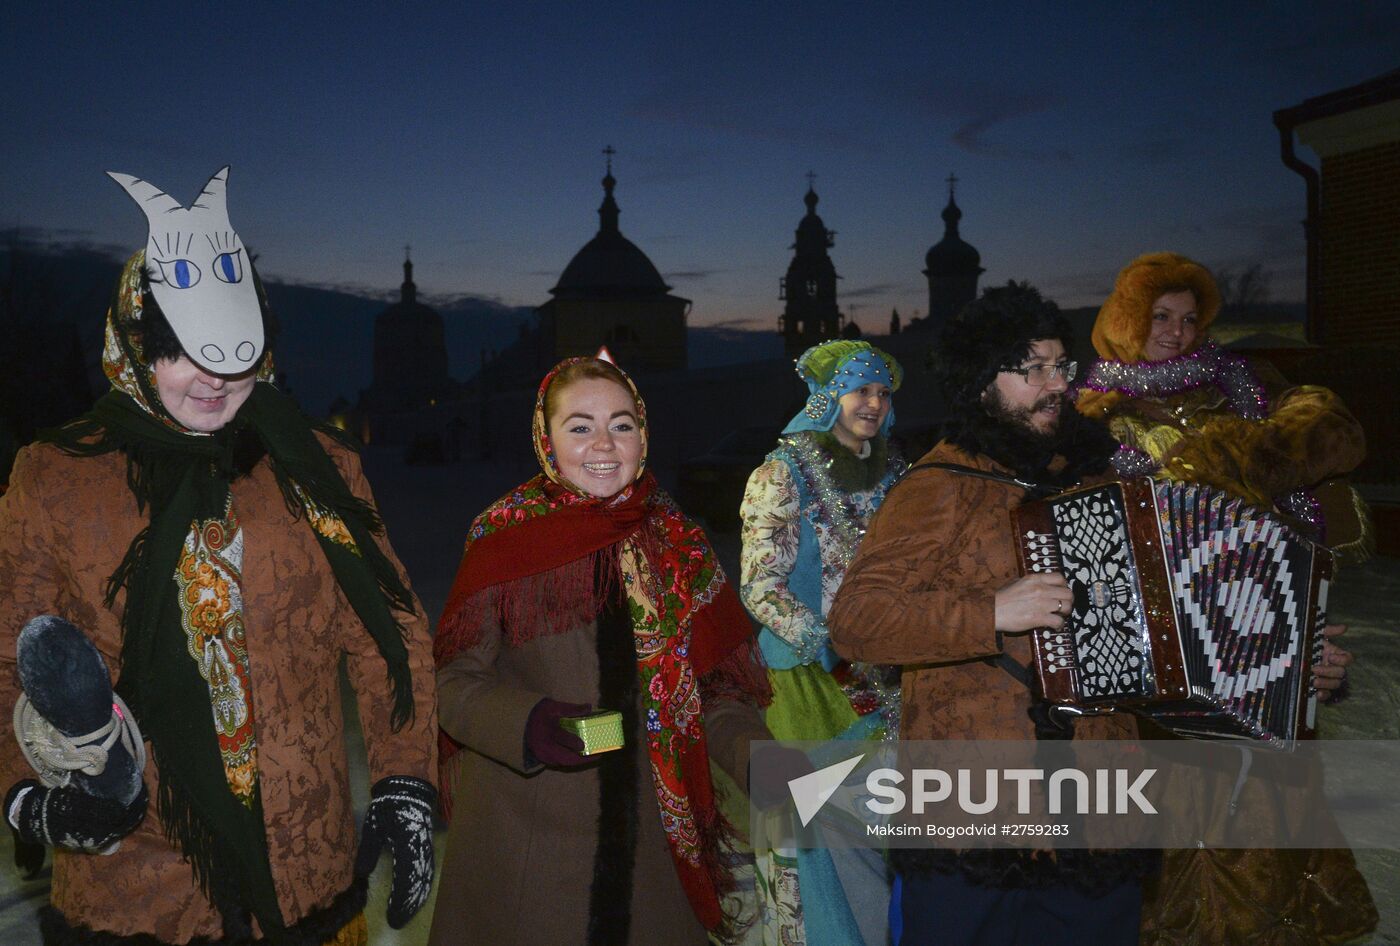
x=922 y=593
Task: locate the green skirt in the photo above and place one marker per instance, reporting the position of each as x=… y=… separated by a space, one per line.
x=808 y=704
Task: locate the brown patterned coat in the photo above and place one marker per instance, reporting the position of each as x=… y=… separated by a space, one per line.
x=922 y=593
x=64 y=525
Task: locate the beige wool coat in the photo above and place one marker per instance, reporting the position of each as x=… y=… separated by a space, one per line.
x=520 y=849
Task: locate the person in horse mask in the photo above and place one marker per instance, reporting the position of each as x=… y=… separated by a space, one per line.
x=224 y=554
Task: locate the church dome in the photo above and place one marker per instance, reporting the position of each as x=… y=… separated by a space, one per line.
x=613 y=263
x=610 y=263
x=952 y=255
x=812 y=234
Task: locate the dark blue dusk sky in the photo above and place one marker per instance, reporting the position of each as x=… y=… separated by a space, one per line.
x=1082 y=135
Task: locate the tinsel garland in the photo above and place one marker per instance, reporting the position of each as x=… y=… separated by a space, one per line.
x=1303 y=506
x=1209 y=364
x=835 y=510
x=1130 y=461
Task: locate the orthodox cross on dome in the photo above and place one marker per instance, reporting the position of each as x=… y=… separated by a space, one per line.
x=609 y=151
x=952 y=180
x=811 y=180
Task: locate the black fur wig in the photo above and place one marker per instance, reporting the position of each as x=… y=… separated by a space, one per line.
x=993 y=333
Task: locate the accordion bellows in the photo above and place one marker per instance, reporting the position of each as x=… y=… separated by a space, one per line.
x=1190 y=607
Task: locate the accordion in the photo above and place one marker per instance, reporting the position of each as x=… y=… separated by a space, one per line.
x=1191 y=607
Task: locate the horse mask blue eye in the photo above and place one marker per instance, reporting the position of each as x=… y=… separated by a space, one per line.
x=178 y=273
x=229 y=266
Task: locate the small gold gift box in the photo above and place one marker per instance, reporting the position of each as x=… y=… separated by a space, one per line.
x=600 y=732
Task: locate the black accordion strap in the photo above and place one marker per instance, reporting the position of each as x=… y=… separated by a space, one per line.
x=1034 y=490
x=1018 y=671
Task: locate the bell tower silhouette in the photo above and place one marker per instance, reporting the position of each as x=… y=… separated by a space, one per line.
x=810 y=315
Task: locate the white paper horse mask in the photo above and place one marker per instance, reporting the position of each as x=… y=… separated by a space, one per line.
x=200 y=276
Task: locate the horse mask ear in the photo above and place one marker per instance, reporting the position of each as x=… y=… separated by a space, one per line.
x=200 y=274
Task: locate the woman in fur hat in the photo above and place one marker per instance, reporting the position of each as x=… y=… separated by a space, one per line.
x=1183 y=408
x=804 y=512
x=585 y=589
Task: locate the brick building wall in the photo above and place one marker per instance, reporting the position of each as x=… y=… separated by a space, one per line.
x=1355 y=134
x=1359 y=247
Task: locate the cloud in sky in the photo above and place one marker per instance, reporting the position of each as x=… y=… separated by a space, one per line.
x=57 y=240
x=876 y=289
x=979 y=108
x=1276 y=230
x=1344 y=28
x=691 y=275
x=739 y=323
x=1258 y=231
x=660 y=164
x=1155 y=151
x=1075 y=289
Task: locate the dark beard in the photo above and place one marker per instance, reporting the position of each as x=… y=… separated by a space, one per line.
x=1018 y=425
x=1005 y=434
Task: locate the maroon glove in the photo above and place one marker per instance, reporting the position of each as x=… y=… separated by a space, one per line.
x=547 y=742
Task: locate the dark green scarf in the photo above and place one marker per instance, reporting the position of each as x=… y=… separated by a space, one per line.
x=181 y=478
x=850 y=472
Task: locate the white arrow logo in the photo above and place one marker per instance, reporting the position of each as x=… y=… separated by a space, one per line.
x=812 y=791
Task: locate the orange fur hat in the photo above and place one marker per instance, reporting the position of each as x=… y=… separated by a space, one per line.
x=1125 y=319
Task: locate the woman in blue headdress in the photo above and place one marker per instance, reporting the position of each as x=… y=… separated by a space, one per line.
x=804 y=512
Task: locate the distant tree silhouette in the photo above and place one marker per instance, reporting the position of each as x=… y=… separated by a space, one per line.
x=1244 y=291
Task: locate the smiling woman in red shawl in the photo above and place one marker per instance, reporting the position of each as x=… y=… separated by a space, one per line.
x=587 y=589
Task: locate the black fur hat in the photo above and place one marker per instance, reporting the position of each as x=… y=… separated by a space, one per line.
x=994 y=332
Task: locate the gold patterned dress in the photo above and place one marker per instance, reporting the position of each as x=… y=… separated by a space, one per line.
x=1205 y=418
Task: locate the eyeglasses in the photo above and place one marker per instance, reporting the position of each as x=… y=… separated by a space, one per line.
x=1038 y=376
